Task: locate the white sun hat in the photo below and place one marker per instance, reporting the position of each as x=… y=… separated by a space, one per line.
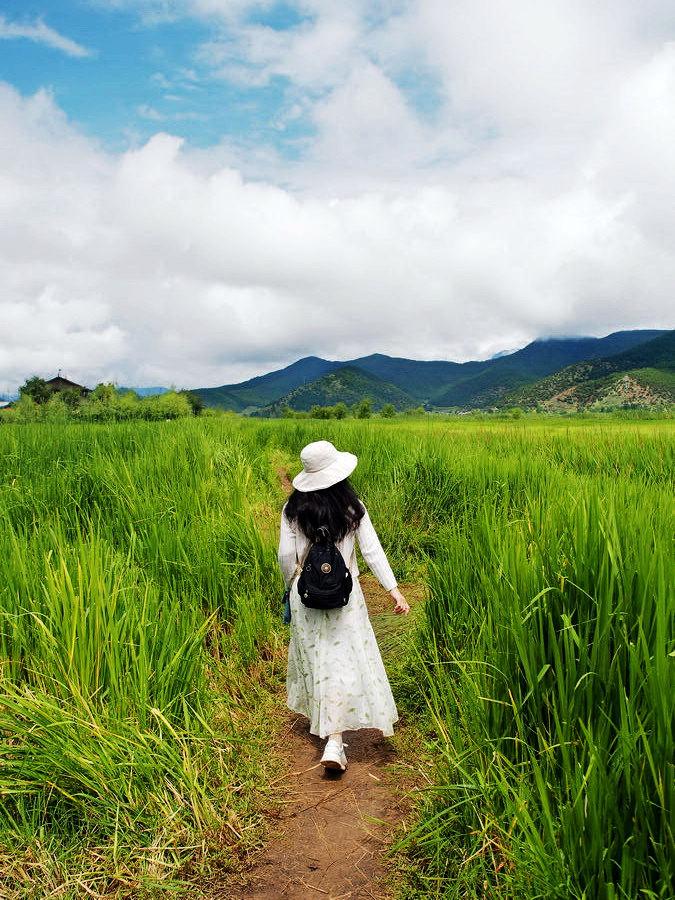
x=323 y=466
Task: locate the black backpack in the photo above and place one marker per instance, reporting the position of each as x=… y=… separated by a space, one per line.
x=325 y=581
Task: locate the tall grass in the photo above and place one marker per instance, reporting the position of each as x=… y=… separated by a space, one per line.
x=546 y=662
x=138 y=583
x=133 y=570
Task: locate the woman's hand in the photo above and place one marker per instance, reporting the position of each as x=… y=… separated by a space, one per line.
x=401 y=607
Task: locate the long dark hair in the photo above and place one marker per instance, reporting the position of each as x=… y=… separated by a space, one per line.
x=336 y=508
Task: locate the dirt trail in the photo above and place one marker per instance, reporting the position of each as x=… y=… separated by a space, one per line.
x=336 y=827
x=285 y=480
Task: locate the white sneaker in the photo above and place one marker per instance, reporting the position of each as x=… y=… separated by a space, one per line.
x=334 y=756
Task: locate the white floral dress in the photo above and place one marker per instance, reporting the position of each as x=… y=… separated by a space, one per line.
x=335 y=673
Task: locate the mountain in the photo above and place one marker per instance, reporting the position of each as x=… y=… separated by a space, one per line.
x=483 y=384
x=444 y=383
x=644 y=374
x=418 y=378
x=439 y=383
x=346 y=384
x=501 y=353
x=145 y=391
x=266 y=389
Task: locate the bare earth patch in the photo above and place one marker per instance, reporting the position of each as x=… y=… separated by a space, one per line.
x=335 y=829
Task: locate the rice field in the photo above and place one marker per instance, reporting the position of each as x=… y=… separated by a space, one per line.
x=140 y=640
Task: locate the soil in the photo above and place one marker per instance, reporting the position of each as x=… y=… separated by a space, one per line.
x=285 y=480
x=623 y=390
x=334 y=833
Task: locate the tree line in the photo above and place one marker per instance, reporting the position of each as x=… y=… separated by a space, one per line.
x=363 y=409
x=106 y=403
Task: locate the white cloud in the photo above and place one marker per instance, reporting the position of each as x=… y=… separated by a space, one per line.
x=145 y=111
x=41 y=33
x=315 y=54
x=537 y=198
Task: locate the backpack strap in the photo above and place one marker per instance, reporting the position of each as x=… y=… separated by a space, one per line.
x=299 y=566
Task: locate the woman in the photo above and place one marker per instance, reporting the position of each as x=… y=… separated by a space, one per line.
x=335 y=673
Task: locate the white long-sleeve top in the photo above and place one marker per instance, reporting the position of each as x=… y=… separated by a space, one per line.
x=293 y=547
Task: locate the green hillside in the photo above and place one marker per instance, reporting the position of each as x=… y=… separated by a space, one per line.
x=484 y=388
x=441 y=383
x=489 y=382
x=348 y=384
x=421 y=379
x=221 y=398
x=265 y=389
x=658 y=353
x=644 y=374
x=482 y=383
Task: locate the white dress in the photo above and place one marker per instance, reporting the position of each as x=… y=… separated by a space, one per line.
x=335 y=673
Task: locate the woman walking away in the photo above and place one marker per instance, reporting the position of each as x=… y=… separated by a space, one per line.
x=335 y=673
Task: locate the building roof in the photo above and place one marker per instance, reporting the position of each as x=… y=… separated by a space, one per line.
x=59 y=383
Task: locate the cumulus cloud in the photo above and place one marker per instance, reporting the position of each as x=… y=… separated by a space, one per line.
x=316 y=54
x=535 y=198
x=41 y=33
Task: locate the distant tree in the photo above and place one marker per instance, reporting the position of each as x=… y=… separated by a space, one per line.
x=37 y=389
x=56 y=409
x=364 y=408
x=72 y=397
x=340 y=410
x=388 y=411
x=196 y=403
x=24 y=410
x=320 y=412
x=104 y=393
x=165 y=406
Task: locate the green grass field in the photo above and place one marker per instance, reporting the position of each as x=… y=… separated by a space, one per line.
x=140 y=636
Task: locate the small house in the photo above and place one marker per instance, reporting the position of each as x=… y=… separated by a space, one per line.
x=59 y=383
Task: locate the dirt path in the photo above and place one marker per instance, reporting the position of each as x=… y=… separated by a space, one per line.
x=335 y=829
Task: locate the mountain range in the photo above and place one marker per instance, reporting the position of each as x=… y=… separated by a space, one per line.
x=144 y=391
x=539 y=373
x=643 y=374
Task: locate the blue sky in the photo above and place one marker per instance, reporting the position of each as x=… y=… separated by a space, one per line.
x=138 y=75
x=139 y=71
x=197 y=191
